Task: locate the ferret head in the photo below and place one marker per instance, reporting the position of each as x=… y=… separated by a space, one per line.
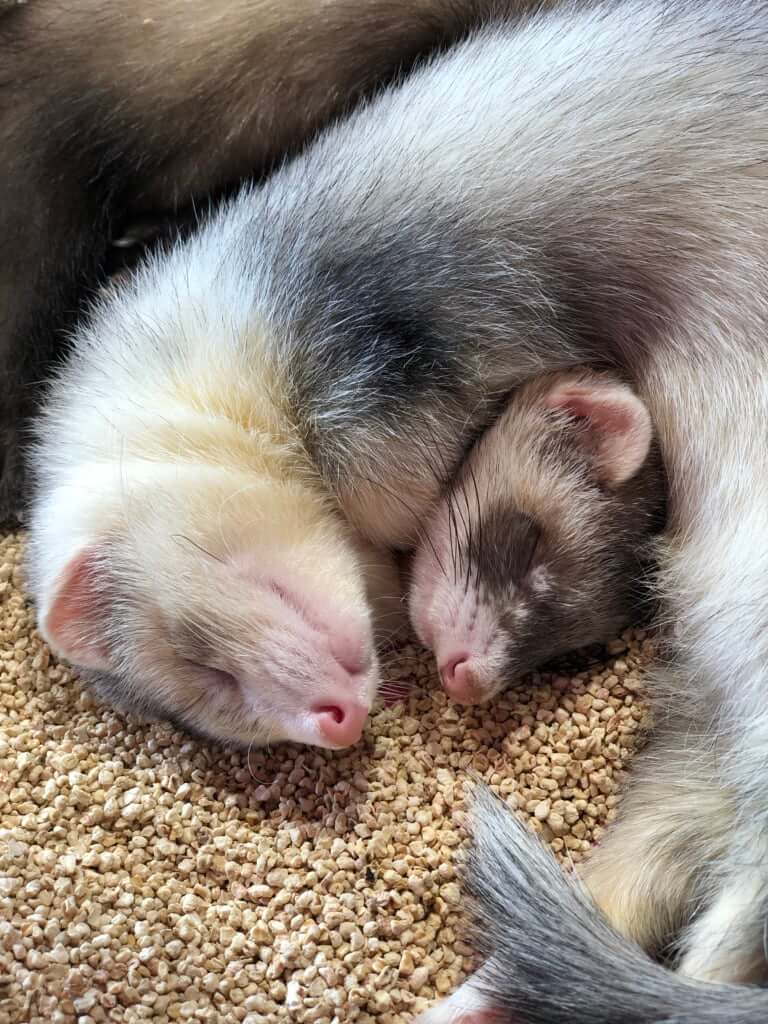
x=540 y=544
x=234 y=605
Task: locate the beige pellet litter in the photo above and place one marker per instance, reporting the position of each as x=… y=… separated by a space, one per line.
x=148 y=876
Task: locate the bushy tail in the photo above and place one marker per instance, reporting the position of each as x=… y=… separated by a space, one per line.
x=551 y=958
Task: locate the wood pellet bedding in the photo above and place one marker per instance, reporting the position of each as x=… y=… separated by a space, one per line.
x=148 y=876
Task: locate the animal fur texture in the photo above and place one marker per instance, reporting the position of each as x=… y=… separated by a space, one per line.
x=551 y=956
x=112 y=113
x=545 y=541
x=587 y=188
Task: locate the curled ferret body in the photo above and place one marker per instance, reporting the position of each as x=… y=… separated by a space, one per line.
x=588 y=188
x=550 y=955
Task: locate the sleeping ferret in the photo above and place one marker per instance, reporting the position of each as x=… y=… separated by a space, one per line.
x=587 y=188
x=545 y=539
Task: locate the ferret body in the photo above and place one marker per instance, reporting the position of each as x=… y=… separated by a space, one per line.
x=589 y=188
x=111 y=114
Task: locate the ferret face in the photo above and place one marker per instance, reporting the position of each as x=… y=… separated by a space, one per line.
x=239 y=612
x=539 y=545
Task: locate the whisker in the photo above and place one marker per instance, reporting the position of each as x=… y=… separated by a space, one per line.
x=177 y=537
x=473 y=478
x=248 y=763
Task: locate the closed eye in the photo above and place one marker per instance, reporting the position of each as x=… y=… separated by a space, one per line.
x=301 y=608
x=286 y=597
x=505 y=549
x=224 y=679
x=534 y=551
x=214 y=677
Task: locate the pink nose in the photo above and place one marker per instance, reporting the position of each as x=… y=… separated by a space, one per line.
x=459 y=681
x=340 y=724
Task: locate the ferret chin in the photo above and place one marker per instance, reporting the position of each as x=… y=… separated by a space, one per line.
x=544 y=541
x=184 y=554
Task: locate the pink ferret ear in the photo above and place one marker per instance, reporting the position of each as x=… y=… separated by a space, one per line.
x=75 y=623
x=617 y=427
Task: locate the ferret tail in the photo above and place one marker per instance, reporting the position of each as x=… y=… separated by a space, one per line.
x=551 y=957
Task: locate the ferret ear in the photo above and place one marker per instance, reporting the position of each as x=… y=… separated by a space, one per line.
x=616 y=426
x=75 y=623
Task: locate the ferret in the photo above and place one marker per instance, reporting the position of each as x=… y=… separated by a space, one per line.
x=587 y=188
x=117 y=118
x=255 y=622
x=551 y=956
x=545 y=541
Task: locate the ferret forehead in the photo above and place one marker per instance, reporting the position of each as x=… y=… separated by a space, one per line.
x=532 y=472
x=503 y=479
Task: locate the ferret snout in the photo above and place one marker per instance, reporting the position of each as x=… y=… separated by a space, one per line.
x=452 y=616
x=335 y=720
x=340 y=724
x=321 y=659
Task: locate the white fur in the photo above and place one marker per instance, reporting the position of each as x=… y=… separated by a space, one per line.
x=592 y=187
x=173 y=451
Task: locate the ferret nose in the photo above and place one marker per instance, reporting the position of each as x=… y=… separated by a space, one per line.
x=459 y=681
x=340 y=724
x=449 y=669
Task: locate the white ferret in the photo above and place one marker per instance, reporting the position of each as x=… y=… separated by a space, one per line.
x=588 y=188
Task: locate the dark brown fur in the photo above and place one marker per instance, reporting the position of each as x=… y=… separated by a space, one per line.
x=532 y=538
